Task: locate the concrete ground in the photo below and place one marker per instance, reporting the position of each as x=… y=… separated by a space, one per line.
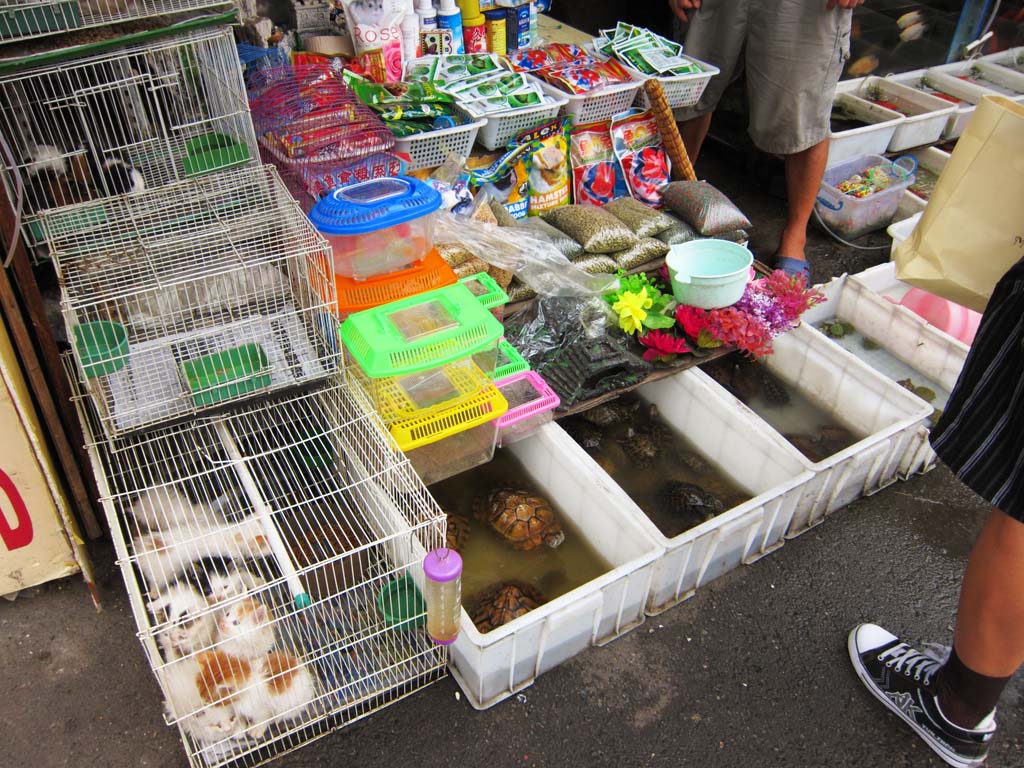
x=752 y=671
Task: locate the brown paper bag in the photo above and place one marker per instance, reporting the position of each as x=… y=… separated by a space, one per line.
x=972 y=231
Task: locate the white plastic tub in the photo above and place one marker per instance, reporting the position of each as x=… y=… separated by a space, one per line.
x=929 y=82
x=492 y=666
x=902 y=229
x=1012 y=58
x=919 y=349
x=746 y=451
x=926 y=116
x=850 y=216
x=870 y=139
x=997 y=79
x=861 y=399
x=931 y=159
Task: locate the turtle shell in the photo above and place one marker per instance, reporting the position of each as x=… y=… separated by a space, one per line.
x=586 y=434
x=607 y=414
x=695 y=462
x=504 y=602
x=691 y=500
x=525 y=519
x=457 y=532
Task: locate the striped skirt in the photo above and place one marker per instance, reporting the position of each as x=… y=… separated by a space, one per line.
x=980 y=435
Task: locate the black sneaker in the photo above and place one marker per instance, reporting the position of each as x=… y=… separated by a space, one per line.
x=902 y=679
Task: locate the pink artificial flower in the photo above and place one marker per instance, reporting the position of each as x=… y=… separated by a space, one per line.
x=663 y=346
x=691 y=319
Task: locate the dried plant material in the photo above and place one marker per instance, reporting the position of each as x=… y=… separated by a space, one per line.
x=680 y=232
x=703 y=207
x=642 y=219
x=565 y=244
x=471 y=267
x=486 y=214
x=596 y=229
x=500 y=214
x=519 y=291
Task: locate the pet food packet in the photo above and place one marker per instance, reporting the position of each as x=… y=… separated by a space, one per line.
x=547 y=161
x=596 y=263
x=529 y=59
x=505 y=176
x=642 y=219
x=448 y=69
x=596 y=175
x=642 y=155
x=646 y=250
x=734 y=236
x=703 y=207
x=377 y=28
x=396 y=93
x=594 y=228
x=565 y=244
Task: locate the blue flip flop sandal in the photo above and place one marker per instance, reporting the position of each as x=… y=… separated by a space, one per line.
x=794 y=266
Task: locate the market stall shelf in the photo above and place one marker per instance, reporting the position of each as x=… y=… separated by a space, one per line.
x=193 y=295
x=122 y=121
x=732 y=473
x=261 y=550
x=877 y=420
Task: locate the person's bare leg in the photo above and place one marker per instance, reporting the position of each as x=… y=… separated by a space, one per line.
x=804 y=171
x=693 y=133
x=989 y=636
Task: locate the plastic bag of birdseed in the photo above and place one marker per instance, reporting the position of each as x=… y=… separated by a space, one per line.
x=594 y=228
x=648 y=249
x=703 y=207
x=642 y=219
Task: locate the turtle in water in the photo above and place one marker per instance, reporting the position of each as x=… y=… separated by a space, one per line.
x=643 y=443
x=690 y=500
x=694 y=462
x=525 y=519
x=504 y=602
x=614 y=412
x=457 y=532
x=586 y=434
x=772 y=391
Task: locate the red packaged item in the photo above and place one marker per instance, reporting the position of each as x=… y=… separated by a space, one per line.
x=642 y=155
x=583 y=78
x=596 y=175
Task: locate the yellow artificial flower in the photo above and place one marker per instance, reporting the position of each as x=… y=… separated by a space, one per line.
x=630 y=307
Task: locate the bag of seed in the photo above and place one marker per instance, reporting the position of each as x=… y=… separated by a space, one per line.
x=519 y=291
x=642 y=219
x=596 y=263
x=648 y=249
x=703 y=207
x=734 y=235
x=680 y=232
x=641 y=154
x=547 y=162
x=596 y=175
x=594 y=228
x=454 y=254
x=501 y=215
x=565 y=244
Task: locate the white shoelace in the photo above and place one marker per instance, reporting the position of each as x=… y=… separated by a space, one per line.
x=910 y=662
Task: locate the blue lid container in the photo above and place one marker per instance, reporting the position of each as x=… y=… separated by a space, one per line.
x=373 y=205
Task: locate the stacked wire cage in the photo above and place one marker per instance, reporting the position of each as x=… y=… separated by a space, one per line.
x=26 y=19
x=194 y=295
x=80 y=126
x=271 y=556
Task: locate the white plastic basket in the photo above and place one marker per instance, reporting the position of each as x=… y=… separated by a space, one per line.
x=491 y=666
x=744 y=450
x=925 y=80
x=927 y=115
x=870 y=139
x=599 y=104
x=680 y=90
x=430 y=149
x=502 y=127
x=858 y=397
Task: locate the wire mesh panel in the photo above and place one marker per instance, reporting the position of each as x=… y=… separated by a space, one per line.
x=272 y=557
x=133 y=119
x=24 y=19
x=194 y=295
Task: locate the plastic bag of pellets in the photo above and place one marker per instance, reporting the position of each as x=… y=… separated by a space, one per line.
x=647 y=250
x=642 y=219
x=594 y=228
x=703 y=207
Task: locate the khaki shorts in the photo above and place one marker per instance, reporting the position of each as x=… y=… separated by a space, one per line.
x=793 y=52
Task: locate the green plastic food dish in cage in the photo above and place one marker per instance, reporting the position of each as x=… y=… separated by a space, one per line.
x=401 y=604
x=101 y=346
x=227 y=375
x=421 y=332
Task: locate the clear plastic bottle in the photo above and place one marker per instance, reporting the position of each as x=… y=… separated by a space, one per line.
x=443 y=569
x=534 y=34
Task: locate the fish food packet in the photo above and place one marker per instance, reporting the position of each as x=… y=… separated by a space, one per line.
x=642 y=155
x=596 y=175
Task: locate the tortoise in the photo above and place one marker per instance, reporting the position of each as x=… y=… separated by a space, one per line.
x=525 y=519
x=457 y=532
x=504 y=602
x=694 y=462
x=614 y=412
x=688 y=499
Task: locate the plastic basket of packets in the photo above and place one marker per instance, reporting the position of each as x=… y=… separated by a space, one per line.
x=648 y=55
x=507 y=101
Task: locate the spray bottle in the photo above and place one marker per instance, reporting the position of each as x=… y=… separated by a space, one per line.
x=449 y=17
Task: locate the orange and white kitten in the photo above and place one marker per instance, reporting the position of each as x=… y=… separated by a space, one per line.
x=194 y=699
x=181 y=606
x=244 y=629
x=282 y=690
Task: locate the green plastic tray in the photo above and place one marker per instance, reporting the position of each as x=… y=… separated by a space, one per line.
x=39 y=20
x=509 y=361
x=226 y=375
x=486 y=290
x=213 y=152
x=420 y=332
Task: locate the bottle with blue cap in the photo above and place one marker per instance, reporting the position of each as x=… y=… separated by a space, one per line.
x=377 y=226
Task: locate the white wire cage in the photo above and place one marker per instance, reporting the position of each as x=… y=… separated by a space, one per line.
x=27 y=19
x=259 y=646
x=118 y=122
x=193 y=296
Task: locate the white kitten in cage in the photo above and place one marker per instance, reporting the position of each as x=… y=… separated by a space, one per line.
x=181 y=607
x=196 y=702
x=244 y=629
x=282 y=689
x=162 y=555
x=165 y=507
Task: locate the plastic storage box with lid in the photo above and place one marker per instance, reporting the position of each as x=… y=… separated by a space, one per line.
x=418 y=334
x=530 y=405
x=850 y=216
x=509 y=361
x=377 y=226
x=358 y=295
x=925 y=116
x=745 y=451
x=870 y=139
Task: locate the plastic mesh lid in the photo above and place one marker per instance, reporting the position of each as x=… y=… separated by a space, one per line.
x=486 y=289
x=509 y=361
x=373 y=205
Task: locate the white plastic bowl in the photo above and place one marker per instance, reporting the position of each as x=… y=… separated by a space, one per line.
x=709 y=273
